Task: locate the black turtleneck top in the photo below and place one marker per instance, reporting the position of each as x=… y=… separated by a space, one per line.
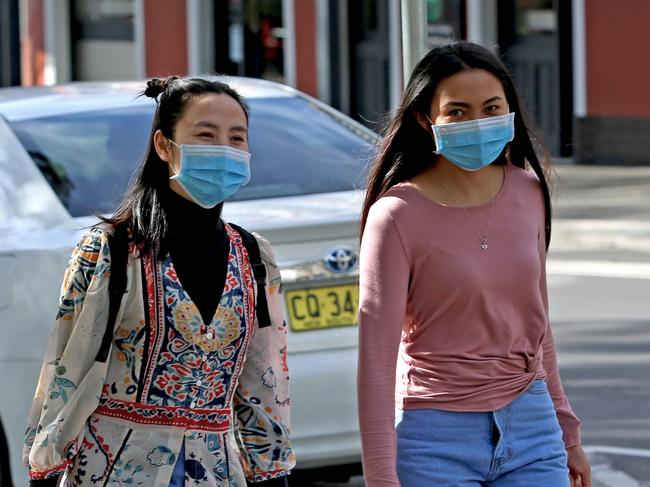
x=199 y=247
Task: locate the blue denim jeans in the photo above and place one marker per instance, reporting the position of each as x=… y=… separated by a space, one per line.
x=517 y=445
x=178 y=476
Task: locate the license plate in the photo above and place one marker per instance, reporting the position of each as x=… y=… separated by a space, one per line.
x=323 y=307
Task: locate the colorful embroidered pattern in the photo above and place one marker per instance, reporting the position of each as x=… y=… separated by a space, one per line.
x=197 y=364
x=214 y=420
x=217 y=391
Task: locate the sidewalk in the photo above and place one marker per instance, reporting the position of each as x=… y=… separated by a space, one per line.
x=602 y=216
x=609 y=470
x=601 y=213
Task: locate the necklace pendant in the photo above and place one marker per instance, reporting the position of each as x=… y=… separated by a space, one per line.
x=484 y=245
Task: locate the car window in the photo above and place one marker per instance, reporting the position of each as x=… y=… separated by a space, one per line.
x=297 y=148
x=88 y=157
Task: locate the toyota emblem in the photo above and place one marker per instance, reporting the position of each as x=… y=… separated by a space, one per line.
x=340 y=259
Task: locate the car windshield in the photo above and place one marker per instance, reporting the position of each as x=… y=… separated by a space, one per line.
x=297 y=149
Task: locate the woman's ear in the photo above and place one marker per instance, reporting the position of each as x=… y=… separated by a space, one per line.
x=162 y=146
x=423 y=120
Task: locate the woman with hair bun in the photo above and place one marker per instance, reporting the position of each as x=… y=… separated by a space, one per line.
x=179 y=378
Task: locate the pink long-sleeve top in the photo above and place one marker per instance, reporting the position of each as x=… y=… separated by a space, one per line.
x=446 y=325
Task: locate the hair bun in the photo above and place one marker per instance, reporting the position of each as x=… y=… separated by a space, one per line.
x=155 y=86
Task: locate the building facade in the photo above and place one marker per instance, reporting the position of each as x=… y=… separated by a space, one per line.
x=576 y=62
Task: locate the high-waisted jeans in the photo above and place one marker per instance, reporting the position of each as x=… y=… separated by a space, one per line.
x=517 y=445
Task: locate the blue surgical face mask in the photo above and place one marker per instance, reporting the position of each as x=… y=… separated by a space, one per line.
x=474 y=144
x=211 y=174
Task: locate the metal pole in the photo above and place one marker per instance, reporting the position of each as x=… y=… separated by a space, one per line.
x=9 y=43
x=414 y=33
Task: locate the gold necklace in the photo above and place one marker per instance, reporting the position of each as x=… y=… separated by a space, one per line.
x=483 y=239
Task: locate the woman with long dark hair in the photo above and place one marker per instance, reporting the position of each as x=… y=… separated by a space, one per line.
x=458 y=380
x=179 y=378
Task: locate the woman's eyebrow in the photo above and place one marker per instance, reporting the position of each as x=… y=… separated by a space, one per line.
x=205 y=123
x=494 y=98
x=467 y=105
x=457 y=104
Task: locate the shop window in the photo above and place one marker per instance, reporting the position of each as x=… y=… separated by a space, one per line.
x=445 y=21
x=535 y=17
x=102 y=39
x=249 y=38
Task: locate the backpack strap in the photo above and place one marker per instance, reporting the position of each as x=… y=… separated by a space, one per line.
x=259 y=272
x=119 y=250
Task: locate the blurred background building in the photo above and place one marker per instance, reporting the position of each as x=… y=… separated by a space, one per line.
x=578 y=63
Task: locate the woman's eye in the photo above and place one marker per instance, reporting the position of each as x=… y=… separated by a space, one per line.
x=492 y=108
x=455 y=113
x=238 y=138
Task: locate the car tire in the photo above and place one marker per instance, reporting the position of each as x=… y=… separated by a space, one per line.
x=5 y=468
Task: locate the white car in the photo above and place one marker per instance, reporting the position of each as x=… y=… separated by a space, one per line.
x=66 y=154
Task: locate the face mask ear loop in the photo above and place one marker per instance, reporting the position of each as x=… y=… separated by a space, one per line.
x=433 y=135
x=171 y=166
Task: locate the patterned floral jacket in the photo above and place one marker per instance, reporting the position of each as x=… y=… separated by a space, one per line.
x=219 y=388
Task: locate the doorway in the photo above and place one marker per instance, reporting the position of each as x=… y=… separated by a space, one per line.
x=535 y=38
x=249 y=38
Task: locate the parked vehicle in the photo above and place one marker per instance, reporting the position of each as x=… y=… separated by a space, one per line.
x=66 y=155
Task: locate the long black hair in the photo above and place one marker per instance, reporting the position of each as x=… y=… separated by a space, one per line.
x=141 y=207
x=406 y=149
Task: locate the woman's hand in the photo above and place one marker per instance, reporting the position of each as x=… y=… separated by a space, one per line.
x=579 y=468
